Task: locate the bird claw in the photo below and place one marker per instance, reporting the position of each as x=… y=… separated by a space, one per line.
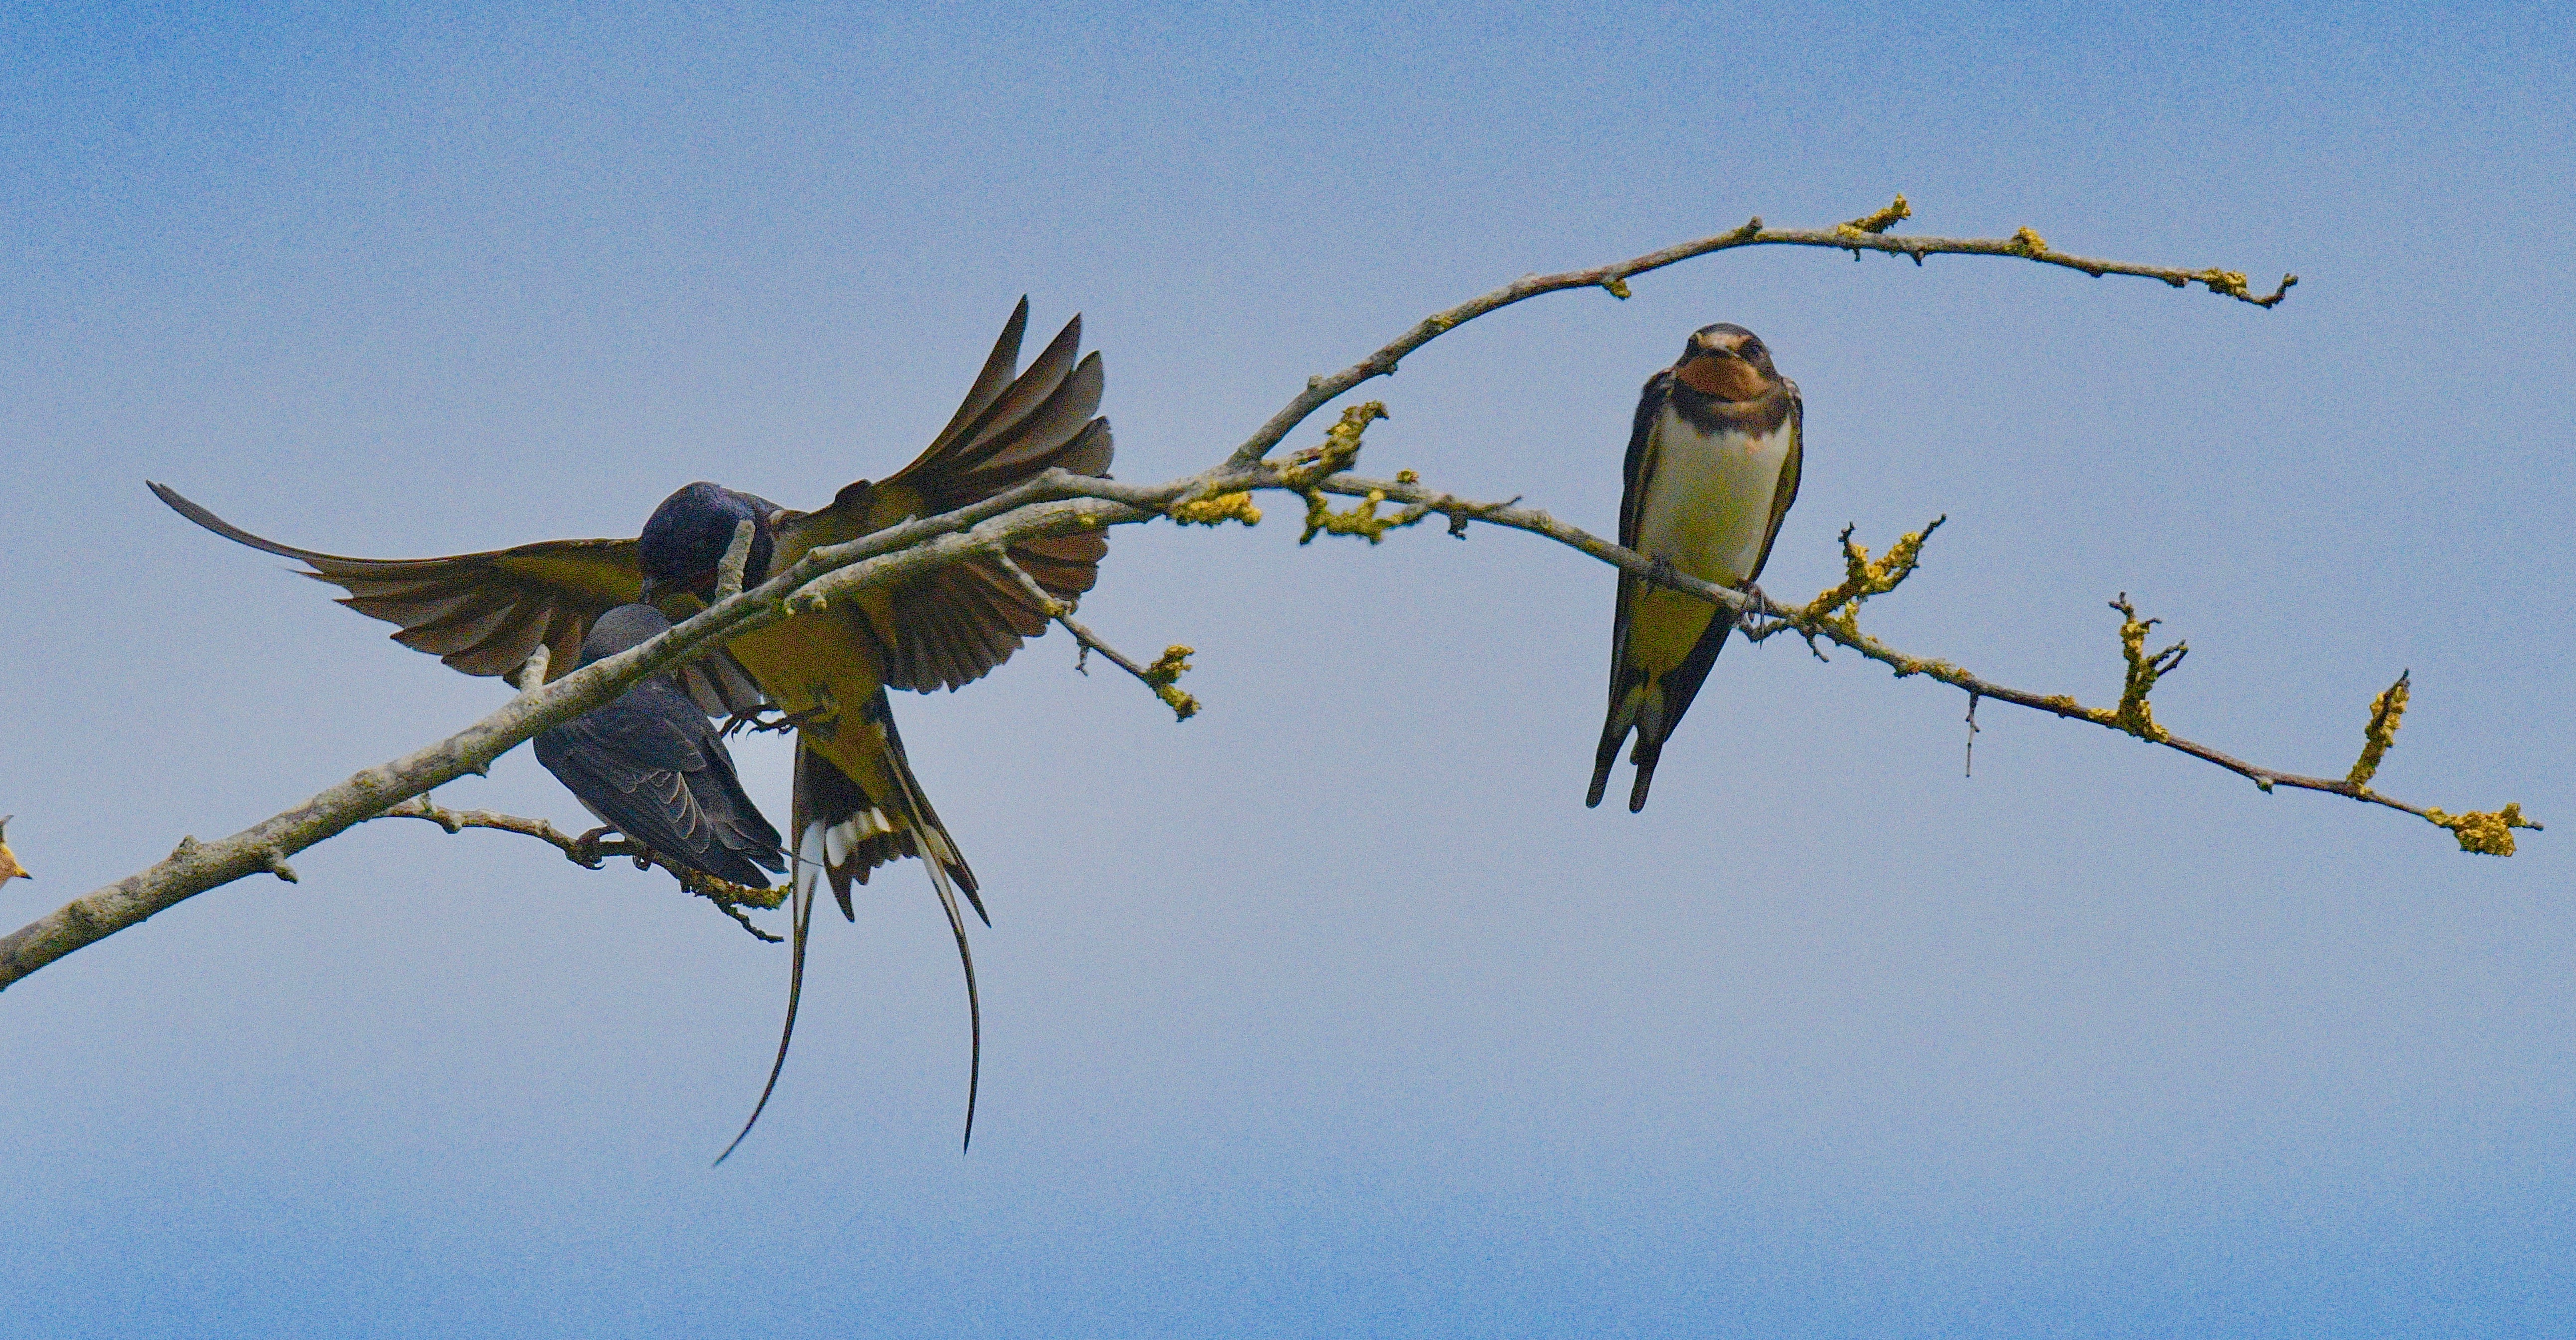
x=748 y=720
x=585 y=852
x=1661 y=574
x=754 y=722
x=1756 y=607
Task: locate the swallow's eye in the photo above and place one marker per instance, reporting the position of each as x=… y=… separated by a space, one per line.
x=1753 y=348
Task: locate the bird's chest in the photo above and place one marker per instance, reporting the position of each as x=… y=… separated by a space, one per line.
x=1708 y=497
x=819 y=666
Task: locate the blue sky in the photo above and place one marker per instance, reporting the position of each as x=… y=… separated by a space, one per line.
x=1331 y=1011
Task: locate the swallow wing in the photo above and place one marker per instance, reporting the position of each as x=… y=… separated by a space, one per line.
x=1786 y=492
x=486 y=613
x=1637 y=483
x=483 y=614
x=650 y=764
x=953 y=626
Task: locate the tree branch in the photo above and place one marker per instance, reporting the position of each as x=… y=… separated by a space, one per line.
x=1832 y=615
x=1160 y=677
x=589 y=853
x=1054 y=503
x=1855 y=237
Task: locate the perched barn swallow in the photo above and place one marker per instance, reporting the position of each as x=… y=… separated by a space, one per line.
x=652 y=766
x=1712 y=468
x=857 y=803
x=9 y=867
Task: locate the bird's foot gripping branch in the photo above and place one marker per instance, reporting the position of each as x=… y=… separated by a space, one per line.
x=1060 y=502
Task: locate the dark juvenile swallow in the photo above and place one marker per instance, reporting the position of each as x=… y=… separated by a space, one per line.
x=1712 y=468
x=857 y=803
x=652 y=766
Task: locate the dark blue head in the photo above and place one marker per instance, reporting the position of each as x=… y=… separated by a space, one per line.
x=688 y=534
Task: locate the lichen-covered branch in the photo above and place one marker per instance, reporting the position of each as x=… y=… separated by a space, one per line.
x=1055 y=503
x=1162 y=677
x=588 y=852
x=901 y=553
x=1864 y=234
x=1833 y=616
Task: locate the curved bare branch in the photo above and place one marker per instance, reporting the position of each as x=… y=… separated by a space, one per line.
x=1056 y=503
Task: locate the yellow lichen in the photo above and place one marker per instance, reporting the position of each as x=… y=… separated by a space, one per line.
x=1618 y=287
x=1361 y=520
x=2386 y=711
x=2134 y=715
x=1341 y=447
x=2029 y=243
x=1165 y=672
x=2485 y=833
x=1215 y=510
x=1864 y=577
x=1407 y=477
x=1873 y=224
x=2227 y=283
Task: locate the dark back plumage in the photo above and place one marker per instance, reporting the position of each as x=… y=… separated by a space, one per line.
x=651 y=766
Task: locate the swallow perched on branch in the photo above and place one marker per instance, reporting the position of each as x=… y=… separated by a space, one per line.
x=857 y=803
x=652 y=766
x=9 y=867
x=1712 y=467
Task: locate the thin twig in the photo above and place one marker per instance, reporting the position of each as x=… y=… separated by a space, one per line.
x=729 y=897
x=1613 y=279
x=1158 y=677
x=737 y=556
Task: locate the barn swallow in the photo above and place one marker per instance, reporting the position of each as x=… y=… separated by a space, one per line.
x=652 y=766
x=1712 y=467
x=9 y=867
x=857 y=803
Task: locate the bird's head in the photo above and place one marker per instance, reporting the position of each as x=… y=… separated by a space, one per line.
x=1727 y=362
x=621 y=629
x=685 y=540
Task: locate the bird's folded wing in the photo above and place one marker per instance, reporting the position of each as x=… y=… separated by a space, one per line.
x=619 y=768
x=950 y=628
x=483 y=614
x=1785 y=492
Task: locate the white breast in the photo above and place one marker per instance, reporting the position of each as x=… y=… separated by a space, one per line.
x=1708 y=504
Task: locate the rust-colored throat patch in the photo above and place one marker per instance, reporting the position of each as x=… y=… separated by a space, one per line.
x=1721 y=377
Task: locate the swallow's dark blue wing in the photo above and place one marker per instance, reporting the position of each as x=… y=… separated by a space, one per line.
x=650 y=765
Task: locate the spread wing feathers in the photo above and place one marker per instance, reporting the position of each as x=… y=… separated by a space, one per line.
x=651 y=765
x=843 y=834
x=486 y=613
x=480 y=613
x=952 y=627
